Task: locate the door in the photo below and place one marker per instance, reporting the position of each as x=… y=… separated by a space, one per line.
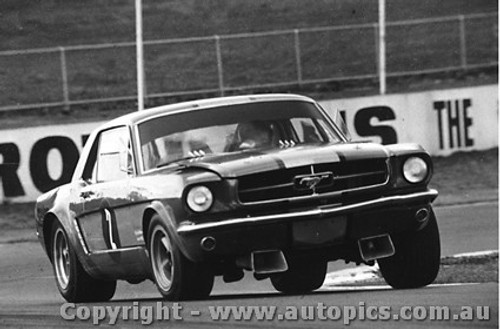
x=101 y=196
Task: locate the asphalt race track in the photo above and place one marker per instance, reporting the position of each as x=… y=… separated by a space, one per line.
x=29 y=297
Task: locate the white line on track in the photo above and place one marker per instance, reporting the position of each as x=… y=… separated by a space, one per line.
x=386 y=287
x=476 y=253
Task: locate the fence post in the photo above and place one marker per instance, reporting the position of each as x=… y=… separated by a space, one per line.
x=381 y=46
x=139 y=49
x=375 y=34
x=298 y=56
x=220 y=70
x=64 y=78
x=463 y=44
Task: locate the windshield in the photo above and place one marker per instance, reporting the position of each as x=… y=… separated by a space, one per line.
x=234 y=128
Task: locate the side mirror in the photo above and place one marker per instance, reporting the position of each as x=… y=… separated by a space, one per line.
x=84 y=181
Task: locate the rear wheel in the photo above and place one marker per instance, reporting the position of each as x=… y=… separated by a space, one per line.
x=303 y=275
x=74 y=284
x=176 y=277
x=416 y=261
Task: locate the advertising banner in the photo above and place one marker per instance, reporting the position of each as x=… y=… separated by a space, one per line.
x=34 y=160
x=443 y=122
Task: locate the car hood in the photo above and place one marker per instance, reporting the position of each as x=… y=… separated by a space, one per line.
x=229 y=165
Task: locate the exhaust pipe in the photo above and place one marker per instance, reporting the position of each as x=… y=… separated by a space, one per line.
x=376 y=247
x=269 y=261
x=264 y=262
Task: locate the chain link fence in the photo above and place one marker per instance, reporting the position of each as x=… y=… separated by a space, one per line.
x=66 y=76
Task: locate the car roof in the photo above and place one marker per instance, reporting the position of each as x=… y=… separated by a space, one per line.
x=139 y=116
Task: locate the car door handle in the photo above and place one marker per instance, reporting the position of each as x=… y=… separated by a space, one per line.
x=86 y=194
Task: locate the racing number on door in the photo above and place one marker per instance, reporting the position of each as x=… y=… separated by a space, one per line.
x=109 y=229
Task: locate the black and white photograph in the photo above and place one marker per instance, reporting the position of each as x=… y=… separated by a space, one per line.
x=249 y=163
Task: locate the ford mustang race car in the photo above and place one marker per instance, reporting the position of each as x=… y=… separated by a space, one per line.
x=271 y=184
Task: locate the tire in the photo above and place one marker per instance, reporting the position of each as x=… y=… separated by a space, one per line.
x=302 y=276
x=176 y=277
x=73 y=282
x=416 y=261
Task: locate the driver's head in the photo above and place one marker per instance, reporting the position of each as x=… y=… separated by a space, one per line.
x=254 y=134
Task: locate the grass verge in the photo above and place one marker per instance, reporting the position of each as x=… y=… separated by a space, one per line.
x=466 y=177
x=182 y=67
x=476 y=269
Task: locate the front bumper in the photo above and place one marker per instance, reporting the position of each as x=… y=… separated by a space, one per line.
x=277 y=231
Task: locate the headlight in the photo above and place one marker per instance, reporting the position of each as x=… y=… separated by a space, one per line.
x=199 y=198
x=415 y=170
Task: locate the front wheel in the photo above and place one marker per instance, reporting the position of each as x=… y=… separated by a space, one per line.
x=74 y=284
x=302 y=276
x=176 y=277
x=416 y=261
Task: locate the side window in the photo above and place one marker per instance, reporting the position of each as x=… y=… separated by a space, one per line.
x=306 y=129
x=89 y=171
x=114 y=157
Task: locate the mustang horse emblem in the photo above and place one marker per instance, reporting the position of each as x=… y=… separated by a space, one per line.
x=310 y=182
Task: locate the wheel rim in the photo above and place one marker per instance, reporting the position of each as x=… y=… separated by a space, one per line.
x=61 y=258
x=162 y=258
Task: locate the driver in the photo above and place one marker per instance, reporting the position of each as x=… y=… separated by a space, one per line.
x=254 y=134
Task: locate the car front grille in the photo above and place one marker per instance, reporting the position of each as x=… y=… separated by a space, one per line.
x=312 y=179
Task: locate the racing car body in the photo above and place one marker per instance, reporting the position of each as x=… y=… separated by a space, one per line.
x=268 y=183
